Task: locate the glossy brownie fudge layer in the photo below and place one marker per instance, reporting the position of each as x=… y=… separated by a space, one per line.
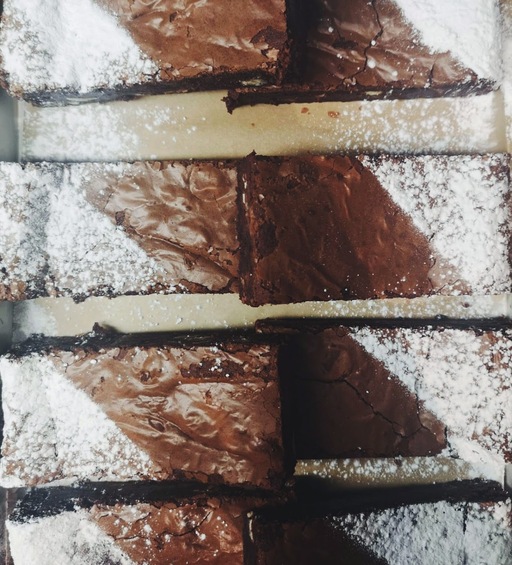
x=374 y=390
x=388 y=49
x=87 y=50
x=437 y=532
x=110 y=229
x=198 y=528
x=169 y=408
x=335 y=227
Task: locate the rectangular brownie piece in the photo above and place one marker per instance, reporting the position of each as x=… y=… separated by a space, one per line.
x=387 y=388
x=93 y=527
x=437 y=532
x=83 y=50
x=142 y=407
x=109 y=229
x=339 y=227
x=357 y=49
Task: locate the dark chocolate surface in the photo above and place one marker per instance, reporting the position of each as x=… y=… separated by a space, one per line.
x=324 y=228
x=306 y=542
x=365 y=49
x=347 y=404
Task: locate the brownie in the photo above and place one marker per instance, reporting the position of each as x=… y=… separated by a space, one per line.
x=451 y=532
x=104 y=49
x=339 y=227
x=109 y=229
x=397 y=388
x=204 y=407
x=358 y=49
x=155 y=527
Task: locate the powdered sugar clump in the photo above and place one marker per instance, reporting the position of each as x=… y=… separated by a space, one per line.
x=54 y=430
x=439 y=533
x=469 y=30
x=71 y=44
x=461 y=377
x=69 y=538
x=462 y=206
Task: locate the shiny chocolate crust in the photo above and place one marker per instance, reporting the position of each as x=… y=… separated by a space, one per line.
x=199 y=45
x=177 y=217
x=358 y=49
x=325 y=228
x=209 y=413
x=183 y=214
x=200 y=531
x=304 y=542
x=347 y=404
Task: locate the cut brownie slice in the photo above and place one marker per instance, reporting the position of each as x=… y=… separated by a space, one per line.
x=391 y=49
x=375 y=389
x=144 y=407
x=323 y=228
x=442 y=532
x=75 y=50
x=90 y=229
x=172 y=528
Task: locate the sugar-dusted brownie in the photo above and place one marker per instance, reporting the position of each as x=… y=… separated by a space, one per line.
x=391 y=49
x=83 y=50
x=438 y=532
x=109 y=229
x=339 y=227
x=391 y=388
x=118 y=407
x=150 y=526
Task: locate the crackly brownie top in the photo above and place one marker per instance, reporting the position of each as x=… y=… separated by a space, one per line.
x=398 y=44
x=87 y=45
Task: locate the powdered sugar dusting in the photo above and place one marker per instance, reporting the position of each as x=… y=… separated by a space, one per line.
x=442 y=125
x=396 y=471
x=69 y=44
x=85 y=250
x=30 y=317
x=55 y=431
x=91 y=132
x=462 y=206
x=69 y=538
x=469 y=30
x=462 y=378
x=439 y=533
